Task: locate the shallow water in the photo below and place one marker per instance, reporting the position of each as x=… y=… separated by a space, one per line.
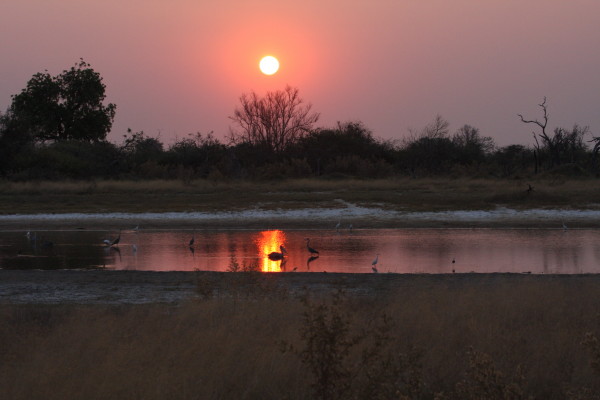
x=400 y=250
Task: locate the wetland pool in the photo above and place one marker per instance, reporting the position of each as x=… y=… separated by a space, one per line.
x=423 y=250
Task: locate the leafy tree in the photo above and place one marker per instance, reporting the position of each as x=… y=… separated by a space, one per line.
x=471 y=146
x=198 y=153
x=274 y=121
x=327 y=150
x=68 y=106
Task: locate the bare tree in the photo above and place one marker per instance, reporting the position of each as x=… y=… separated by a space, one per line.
x=274 y=121
x=563 y=145
x=543 y=135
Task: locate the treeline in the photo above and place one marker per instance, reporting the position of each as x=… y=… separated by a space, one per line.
x=349 y=150
x=56 y=128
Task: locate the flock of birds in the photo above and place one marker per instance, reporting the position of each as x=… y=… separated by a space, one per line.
x=273 y=256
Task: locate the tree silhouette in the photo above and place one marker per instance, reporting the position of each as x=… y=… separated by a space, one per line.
x=274 y=121
x=64 y=107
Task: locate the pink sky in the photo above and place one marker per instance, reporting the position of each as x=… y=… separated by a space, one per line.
x=179 y=66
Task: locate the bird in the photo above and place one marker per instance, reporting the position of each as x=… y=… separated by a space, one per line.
x=350 y=227
x=453 y=260
x=529 y=189
x=374 y=264
x=275 y=256
x=137 y=228
x=134 y=248
x=310 y=249
x=192 y=240
x=337 y=227
x=564 y=226
x=117 y=240
x=107 y=242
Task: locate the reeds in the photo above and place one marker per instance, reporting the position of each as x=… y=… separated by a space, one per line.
x=430 y=338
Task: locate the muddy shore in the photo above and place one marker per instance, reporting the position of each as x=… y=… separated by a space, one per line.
x=141 y=287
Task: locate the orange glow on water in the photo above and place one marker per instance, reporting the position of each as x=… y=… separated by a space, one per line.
x=268 y=242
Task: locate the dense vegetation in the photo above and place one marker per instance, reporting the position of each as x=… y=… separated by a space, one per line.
x=56 y=129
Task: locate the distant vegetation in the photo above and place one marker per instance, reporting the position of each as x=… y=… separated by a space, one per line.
x=56 y=129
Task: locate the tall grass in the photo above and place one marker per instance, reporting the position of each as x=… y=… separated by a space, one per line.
x=204 y=195
x=443 y=339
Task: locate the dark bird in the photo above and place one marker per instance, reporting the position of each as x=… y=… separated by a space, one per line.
x=529 y=189
x=192 y=240
x=374 y=264
x=275 y=256
x=310 y=249
x=117 y=240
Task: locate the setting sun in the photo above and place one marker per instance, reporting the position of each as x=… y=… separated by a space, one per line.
x=269 y=65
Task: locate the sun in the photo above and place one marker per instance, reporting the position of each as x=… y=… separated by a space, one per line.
x=269 y=65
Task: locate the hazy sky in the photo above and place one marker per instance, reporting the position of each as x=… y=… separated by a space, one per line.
x=179 y=66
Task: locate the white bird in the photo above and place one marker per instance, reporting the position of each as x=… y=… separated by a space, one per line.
x=564 y=226
x=374 y=264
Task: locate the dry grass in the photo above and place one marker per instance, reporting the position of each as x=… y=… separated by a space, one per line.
x=472 y=337
x=404 y=194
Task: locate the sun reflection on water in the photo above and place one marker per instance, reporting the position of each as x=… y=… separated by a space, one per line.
x=269 y=243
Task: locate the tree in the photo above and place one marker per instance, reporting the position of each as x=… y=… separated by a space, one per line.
x=68 y=106
x=274 y=121
x=471 y=146
x=563 y=145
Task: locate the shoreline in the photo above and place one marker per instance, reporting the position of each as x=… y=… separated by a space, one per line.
x=310 y=218
x=109 y=287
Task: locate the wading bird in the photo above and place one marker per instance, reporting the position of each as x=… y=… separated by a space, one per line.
x=117 y=240
x=374 y=264
x=337 y=227
x=310 y=249
x=192 y=240
x=275 y=256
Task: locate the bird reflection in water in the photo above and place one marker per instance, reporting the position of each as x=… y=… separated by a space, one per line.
x=309 y=260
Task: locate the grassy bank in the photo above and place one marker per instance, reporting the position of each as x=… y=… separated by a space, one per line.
x=481 y=337
x=397 y=194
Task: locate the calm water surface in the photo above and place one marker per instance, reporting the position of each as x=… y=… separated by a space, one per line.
x=400 y=250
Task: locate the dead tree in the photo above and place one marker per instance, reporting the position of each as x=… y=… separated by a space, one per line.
x=545 y=138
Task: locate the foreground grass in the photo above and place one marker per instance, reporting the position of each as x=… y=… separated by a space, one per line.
x=400 y=194
x=495 y=338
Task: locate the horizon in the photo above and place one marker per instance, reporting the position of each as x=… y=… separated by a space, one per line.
x=178 y=69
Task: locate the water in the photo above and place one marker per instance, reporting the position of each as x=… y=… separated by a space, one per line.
x=535 y=251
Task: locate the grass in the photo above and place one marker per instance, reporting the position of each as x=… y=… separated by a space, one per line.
x=486 y=337
x=397 y=194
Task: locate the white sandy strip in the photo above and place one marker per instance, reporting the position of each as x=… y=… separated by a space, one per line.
x=307 y=214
